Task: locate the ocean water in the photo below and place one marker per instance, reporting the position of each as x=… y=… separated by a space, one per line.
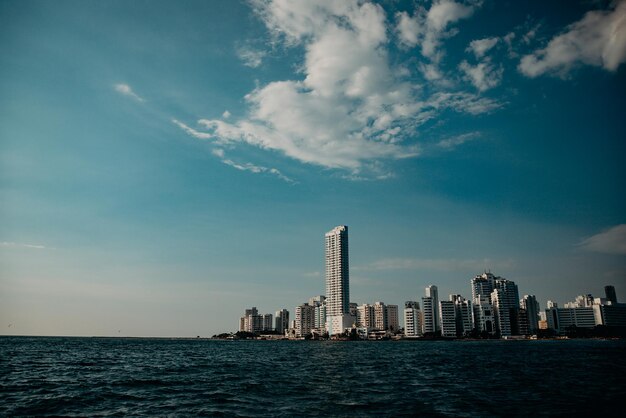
x=130 y=377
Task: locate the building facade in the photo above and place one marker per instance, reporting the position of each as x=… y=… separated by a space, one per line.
x=337 y=280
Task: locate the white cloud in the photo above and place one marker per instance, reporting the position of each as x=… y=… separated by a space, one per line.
x=252 y=58
x=483 y=75
x=611 y=241
x=351 y=108
x=126 y=90
x=481 y=46
x=22 y=245
x=218 y=152
x=598 y=39
x=226 y=114
x=455 y=141
x=428 y=28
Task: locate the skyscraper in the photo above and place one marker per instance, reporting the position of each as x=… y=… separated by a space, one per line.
x=530 y=304
x=282 y=321
x=611 y=296
x=337 y=281
x=412 y=319
x=430 y=304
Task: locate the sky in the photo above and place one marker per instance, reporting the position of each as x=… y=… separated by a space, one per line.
x=165 y=165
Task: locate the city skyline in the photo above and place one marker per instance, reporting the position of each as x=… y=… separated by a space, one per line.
x=165 y=165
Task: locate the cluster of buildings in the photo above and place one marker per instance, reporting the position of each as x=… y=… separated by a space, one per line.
x=495 y=309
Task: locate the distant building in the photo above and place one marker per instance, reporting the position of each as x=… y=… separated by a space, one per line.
x=391 y=311
x=484 y=318
x=380 y=316
x=282 y=321
x=610 y=294
x=531 y=306
x=337 y=281
x=365 y=316
x=464 y=315
x=305 y=320
x=412 y=319
x=483 y=284
x=560 y=319
x=251 y=321
x=268 y=322
x=448 y=318
x=505 y=301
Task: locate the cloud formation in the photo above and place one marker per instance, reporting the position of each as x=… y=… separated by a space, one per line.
x=126 y=90
x=352 y=108
x=455 y=141
x=598 y=39
x=611 y=241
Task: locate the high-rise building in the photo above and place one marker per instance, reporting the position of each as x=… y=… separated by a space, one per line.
x=611 y=296
x=380 y=316
x=391 y=311
x=483 y=284
x=268 y=320
x=506 y=306
x=282 y=321
x=337 y=281
x=412 y=319
x=365 y=316
x=305 y=320
x=447 y=313
x=484 y=320
x=464 y=315
x=430 y=305
x=319 y=303
x=531 y=306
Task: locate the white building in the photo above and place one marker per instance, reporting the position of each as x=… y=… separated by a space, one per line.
x=447 y=313
x=483 y=284
x=484 y=319
x=337 y=281
x=412 y=319
x=464 y=315
x=305 y=320
x=365 y=316
x=380 y=316
x=560 y=319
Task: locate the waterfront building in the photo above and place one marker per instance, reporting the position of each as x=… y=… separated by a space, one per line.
x=506 y=306
x=268 y=322
x=251 y=321
x=581 y=301
x=550 y=304
x=393 y=323
x=305 y=320
x=320 y=316
x=282 y=321
x=531 y=306
x=432 y=292
x=365 y=316
x=610 y=294
x=337 y=281
x=464 y=315
x=447 y=312
x=484 y=320
x=523 y=327
x=613 y=315
x=483 y=284
x=353 y=308
x=560 y=319
x=380 y=316
x=412 y=319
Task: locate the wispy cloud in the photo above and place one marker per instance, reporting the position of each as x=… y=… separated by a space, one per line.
x=598 y=39
x=610 y=241
x=440 y=264
x=218 y=152
x=126 y=90
x=22 y=245
x=252 y=58
x=455 y=141
x=353 y=108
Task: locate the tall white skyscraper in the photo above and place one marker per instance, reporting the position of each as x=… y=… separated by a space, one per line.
x=430 y=304
x=337 y=281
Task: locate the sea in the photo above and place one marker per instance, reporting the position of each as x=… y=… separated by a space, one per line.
x=67 y=376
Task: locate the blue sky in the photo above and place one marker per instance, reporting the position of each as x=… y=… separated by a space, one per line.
x=164 y=165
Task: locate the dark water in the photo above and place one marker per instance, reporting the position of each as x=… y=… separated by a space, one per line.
x=101 y=376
